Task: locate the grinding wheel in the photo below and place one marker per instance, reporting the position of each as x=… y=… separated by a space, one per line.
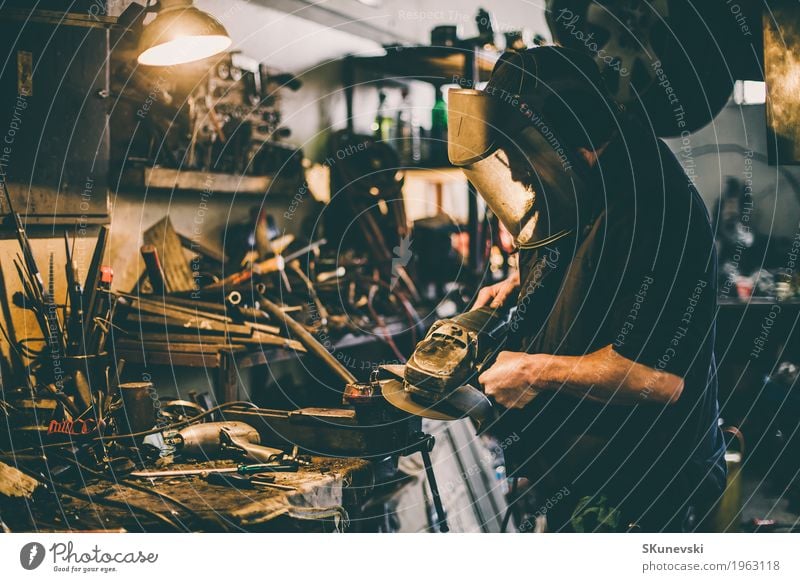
x=465 y=401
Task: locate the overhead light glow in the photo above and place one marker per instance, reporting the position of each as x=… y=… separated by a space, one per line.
x=184 y=50
x=180 y=33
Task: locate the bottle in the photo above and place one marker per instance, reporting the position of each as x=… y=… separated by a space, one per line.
x=382 y=126
x=409 y=145
x=438 y=147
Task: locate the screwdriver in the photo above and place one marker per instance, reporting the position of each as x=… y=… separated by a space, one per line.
x=240 y=469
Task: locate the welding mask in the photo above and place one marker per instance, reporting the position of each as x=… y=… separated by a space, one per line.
x=515 y=155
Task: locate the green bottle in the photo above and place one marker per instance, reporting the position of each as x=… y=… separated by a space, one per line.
x=438 y=147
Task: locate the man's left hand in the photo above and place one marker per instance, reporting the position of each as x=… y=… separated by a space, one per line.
x=508 y=381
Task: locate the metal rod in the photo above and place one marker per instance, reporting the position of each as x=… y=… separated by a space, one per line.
x=93 y=276
x=309 y=341
x=441 y=517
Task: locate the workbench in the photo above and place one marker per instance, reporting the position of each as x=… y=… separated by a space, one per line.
x=327 y=496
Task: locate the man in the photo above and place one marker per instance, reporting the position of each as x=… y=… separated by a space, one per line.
x=608 y=375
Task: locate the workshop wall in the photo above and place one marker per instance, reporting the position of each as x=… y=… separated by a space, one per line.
x=311 y=49
x=735 y=144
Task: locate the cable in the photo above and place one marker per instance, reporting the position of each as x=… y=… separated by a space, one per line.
x=144 y=433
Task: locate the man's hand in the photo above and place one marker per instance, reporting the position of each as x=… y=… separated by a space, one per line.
x=508 y=381
x=498 y=294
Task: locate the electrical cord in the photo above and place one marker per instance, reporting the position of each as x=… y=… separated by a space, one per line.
x=156 y=430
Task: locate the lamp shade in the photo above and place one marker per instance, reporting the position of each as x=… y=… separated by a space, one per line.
x=181 y=34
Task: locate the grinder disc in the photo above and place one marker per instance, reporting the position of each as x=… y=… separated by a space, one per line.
x=395 y=394
x=464 y=401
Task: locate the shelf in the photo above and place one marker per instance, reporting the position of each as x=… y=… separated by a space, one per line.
x=427 y=63
x=439 y=174
x=171 y=179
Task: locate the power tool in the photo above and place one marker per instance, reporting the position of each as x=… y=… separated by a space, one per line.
x=440 y=378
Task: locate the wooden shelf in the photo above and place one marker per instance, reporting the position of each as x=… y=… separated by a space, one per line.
x=171 y=179
x=436 y=174
x=426 y=63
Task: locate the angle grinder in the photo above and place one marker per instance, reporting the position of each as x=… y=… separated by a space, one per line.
x=439 y=381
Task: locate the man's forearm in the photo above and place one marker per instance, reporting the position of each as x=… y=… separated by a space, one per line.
x=604 y=376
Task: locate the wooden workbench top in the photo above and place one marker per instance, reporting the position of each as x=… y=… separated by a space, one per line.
x=325 y=495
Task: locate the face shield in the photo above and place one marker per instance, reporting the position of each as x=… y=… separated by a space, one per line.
x=521 y=169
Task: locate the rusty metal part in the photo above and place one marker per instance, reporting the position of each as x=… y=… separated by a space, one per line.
x=312 y=293
x=65 y=400
x=138 y=412
x=240 y=469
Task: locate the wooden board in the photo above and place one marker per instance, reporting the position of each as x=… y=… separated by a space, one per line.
x=177 y=274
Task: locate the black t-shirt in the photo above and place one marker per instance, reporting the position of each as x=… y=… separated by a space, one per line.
x=641 y=276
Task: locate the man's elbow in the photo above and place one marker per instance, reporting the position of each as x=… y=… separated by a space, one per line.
x=670 y=388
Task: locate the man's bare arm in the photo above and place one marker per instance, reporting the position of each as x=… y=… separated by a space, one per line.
x=604 y=376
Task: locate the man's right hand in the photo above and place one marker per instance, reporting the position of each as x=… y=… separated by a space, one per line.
x=499 y=294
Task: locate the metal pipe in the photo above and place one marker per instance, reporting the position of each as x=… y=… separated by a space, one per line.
x=308 y=340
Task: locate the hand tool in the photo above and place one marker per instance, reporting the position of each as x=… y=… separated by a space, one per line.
x=103 y=308
x=75 y=298
x=251 y=320
x=239 y=469
x=246 y=482
x=93 y=277
x=271 y=265
x=279 y=261
x=24 y=244
x=312 y=293
x=82 y=388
